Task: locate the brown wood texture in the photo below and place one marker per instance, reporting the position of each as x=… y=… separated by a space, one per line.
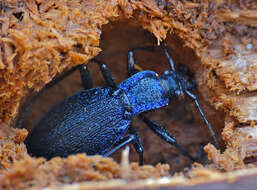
x=248 y=182
x=215 y=39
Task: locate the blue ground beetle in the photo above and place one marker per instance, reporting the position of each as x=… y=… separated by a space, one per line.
x=95 y=120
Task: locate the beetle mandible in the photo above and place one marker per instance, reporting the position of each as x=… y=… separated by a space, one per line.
x=96 y=119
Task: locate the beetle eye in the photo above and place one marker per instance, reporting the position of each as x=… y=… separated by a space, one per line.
x=179 y=93
x=166 y=72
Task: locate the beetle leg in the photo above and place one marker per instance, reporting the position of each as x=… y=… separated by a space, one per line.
x=132 y=137
x=47 y=86
x=131 y=59
x=106 y=74
x=137 y=145
x=85 y=77
x=122 y=142
x=161 y=132
x=191 y=95
x=84 y=74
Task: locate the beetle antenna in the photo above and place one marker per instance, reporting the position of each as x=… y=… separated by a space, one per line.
x=168 y=56
x=205 y=120
x=144 y=48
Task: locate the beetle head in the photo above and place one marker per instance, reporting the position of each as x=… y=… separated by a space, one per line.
x=175 y=83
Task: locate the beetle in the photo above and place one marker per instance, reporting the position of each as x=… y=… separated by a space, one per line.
x=96 y=119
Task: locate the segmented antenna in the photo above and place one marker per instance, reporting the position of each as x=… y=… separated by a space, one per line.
x=205 y=120
x=172 y=67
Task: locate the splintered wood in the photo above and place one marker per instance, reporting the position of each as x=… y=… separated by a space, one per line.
x=40 y=39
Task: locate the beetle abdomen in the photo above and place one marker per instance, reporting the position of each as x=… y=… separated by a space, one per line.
x=90 y=121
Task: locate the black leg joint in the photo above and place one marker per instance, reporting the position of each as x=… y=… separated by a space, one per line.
x=86 y=79
x=106 y=74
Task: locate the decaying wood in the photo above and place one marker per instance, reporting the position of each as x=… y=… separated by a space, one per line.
x=53 y=36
